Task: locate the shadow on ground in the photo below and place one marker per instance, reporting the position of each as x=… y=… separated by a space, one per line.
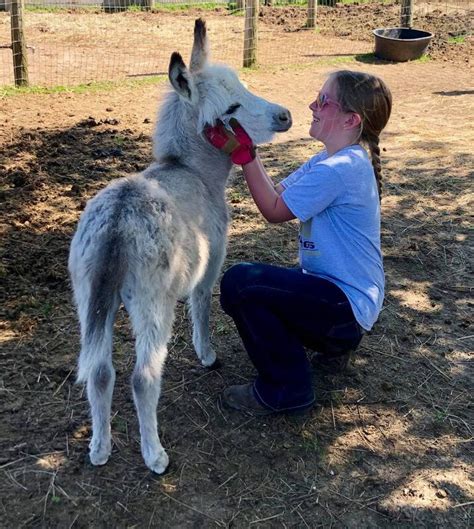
x=386 y=444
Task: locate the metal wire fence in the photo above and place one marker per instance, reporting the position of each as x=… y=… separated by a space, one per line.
x=69 y=42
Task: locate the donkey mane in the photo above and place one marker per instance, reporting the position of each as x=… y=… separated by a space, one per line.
x=176 y=116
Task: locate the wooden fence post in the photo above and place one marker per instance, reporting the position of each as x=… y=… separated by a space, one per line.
x=250 y=33
x=406 y=13
x=20 y=57
x=311 y=19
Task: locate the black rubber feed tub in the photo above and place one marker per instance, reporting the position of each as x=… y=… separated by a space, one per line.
x=401 y=44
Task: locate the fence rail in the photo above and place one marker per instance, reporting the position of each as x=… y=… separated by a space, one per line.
x=58 y=42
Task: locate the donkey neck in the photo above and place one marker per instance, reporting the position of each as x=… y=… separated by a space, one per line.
x=176 y=141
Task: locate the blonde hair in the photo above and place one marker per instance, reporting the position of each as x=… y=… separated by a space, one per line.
x=368 y=96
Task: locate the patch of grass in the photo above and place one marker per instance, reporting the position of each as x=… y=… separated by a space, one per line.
x=92 y=87
x=371 y=58
x=440 y=416
x=119 y=424
x=349 y=2
x=458 y=39
x=423 y=59
x=311 y=444
x=280 y=3
x=119 y=140
x=59 y=9
x=205 y=6
x=46 y=308
x=235 y=196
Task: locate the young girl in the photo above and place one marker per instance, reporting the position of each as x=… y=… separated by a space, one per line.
x=337 y=291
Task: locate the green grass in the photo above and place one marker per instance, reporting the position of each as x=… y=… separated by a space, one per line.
x=206 y=6
x=55 y=9
x=423 y=59
x=92 y=87
x=459 y=39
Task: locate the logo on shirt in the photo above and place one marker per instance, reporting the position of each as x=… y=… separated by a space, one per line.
x=306 y=244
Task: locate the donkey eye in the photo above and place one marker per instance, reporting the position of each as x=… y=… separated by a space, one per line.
x=233 y=108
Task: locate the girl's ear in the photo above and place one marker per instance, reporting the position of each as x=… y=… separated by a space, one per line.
x=352 y=121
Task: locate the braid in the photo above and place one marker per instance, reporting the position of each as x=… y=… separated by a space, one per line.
x=368 y=96
x=373 y=144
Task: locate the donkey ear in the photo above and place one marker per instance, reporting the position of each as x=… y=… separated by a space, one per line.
x=200 y=52
x=180 y=78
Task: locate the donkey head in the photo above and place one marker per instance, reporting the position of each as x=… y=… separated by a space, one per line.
x=214 y=92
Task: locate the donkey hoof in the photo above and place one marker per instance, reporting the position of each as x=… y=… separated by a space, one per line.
x=99 y=457
x=159 y=464
x=209 y=360
x=216 y=365
x=99 y=452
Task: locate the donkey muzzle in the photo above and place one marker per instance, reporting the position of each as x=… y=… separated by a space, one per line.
x=282 y=121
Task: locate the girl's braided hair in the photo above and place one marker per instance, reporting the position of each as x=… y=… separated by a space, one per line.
x=368 y=96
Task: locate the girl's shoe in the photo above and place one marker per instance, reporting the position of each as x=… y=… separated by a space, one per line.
x=242 y=397
x=331 y=365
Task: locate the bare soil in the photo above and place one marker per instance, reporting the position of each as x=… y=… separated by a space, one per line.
x=388 y=443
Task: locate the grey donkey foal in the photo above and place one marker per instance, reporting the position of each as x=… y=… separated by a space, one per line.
x=150 y=239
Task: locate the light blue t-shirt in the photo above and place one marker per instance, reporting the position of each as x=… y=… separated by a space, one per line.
x=337 y=202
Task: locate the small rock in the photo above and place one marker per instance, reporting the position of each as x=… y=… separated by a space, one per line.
x=75 y=190
x=111 y=121
x=19 y=180
x=441 y=493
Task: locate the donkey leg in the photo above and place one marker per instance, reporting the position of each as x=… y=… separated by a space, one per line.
x=200 y=304
x=100 y=386
x=96 y=369
x=152 y=334
x=146 y=383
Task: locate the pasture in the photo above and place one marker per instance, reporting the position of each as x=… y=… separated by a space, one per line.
x=389 y=442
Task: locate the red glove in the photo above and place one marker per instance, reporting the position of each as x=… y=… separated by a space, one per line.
x=238 y=145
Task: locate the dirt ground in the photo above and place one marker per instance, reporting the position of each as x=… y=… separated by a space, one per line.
x=389 y=443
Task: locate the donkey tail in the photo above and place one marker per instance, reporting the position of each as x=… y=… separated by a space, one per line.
x=106 y=277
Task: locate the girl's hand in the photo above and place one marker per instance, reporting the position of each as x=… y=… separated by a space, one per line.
x=238 y=144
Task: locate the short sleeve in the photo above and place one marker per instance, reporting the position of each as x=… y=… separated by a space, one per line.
x=302 y=170
x=313 y=192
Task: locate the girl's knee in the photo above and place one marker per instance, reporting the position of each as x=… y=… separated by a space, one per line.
x=234 y=280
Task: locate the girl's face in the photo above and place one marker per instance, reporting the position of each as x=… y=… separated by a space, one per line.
x=328 y=117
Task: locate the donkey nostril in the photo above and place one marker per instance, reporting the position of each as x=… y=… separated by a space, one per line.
x=284 y=117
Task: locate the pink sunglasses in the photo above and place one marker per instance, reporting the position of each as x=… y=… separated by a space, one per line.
x=322 y=101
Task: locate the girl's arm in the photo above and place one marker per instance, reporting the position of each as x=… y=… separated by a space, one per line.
x=265 y=194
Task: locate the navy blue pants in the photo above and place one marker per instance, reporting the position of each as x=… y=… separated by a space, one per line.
x=278 y=312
